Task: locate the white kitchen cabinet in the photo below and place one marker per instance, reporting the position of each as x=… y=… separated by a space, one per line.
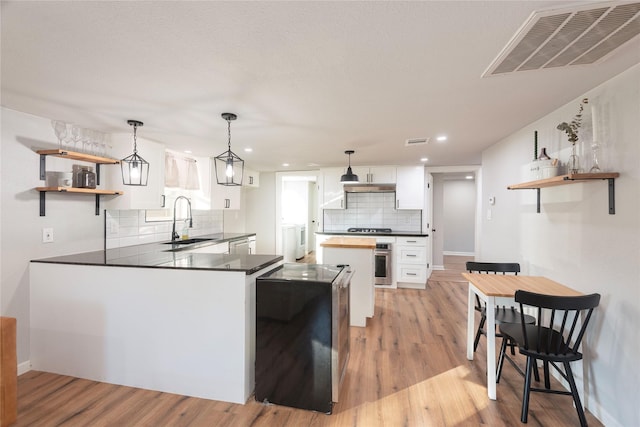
x=333 y=189
x=137 y=197
x=250 y=178
x=224 y=196
x=411 y=262
x=410 y=187
x=375 y=174
x=218 y=248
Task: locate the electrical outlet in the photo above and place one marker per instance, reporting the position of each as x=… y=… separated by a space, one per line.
x=47 y=235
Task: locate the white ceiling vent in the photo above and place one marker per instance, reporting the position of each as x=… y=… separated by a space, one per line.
x=570 y=36
x=416 y=141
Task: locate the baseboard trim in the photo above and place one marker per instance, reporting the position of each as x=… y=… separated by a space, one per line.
x=458 y=253
x=438 y=267
x=24 y=367
x=601 y=414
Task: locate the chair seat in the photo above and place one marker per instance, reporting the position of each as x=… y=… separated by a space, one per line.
x=551 y=348
x=509 y=315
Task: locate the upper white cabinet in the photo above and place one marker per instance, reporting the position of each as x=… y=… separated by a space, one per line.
x=375 y=174
x=410 y=187
x=332 y=189
x=251 y=178
x=224 y=196
x=137 y=197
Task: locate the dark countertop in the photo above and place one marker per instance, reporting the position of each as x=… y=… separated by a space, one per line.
x=392 y=234
x=159 y=255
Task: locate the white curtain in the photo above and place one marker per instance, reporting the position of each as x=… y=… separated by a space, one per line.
x=181 y=172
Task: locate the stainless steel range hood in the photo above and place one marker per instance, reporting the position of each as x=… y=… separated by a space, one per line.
x=369 y=188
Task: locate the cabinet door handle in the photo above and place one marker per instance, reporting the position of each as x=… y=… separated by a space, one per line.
x=227 y=203
x=412 y=241
x=411 y=274
x=397 y=203
x=411 y=256
x=162 y=203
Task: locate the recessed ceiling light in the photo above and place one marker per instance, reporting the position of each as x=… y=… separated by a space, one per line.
x=424 y=159
x=469 y=177
x=285 y=164
x=248 y=149
x=187 y=151
x=441 y=138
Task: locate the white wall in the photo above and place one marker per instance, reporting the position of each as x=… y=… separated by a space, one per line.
x=75 y=226
x=576 y=242
x=459 y=207
x=260 y=213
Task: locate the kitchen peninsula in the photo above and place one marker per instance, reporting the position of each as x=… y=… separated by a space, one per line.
x=149 y=316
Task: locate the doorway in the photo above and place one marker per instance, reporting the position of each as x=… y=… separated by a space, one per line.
x=296 y=213
x=455 y=214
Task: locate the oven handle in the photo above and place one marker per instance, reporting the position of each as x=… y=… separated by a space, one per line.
x=346 y=279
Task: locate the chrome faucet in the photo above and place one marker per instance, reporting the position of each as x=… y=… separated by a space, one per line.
x=174 y=235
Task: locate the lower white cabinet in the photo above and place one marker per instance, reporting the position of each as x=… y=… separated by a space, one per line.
x=220 y=248
x=411 y=262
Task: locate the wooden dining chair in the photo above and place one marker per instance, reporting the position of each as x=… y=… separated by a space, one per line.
x=562 y=322
x=503 y=314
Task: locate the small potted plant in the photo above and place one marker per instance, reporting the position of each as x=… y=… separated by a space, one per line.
x=571 y=129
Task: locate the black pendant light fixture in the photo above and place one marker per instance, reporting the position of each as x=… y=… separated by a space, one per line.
x=229 y=167
x=135 y=169
x=349 y=176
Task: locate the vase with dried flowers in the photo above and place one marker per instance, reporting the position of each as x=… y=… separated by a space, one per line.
x=571 y=129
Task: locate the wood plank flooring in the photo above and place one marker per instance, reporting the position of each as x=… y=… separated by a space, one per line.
x=407 y=368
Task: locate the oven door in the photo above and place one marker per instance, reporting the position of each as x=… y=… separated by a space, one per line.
x=383 y=267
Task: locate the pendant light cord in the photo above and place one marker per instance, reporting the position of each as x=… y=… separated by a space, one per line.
x=229 y=132
x=135 y=139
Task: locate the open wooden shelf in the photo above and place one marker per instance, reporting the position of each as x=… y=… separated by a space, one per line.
x=78 y=190
x=571 y=179
x=74 y=155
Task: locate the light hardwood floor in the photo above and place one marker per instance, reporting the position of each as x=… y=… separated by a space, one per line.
x=407 y=368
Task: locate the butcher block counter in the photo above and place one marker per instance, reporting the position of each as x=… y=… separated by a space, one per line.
x=350 y=242
x=358 y=253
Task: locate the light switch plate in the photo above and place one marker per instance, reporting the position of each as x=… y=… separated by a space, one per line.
x=47 y=235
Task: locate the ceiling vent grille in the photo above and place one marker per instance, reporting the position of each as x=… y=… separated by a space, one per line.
x=574 y=36
x=416 y=141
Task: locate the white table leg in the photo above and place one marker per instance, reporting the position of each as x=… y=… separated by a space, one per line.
x=470 y=323
x=491 y=347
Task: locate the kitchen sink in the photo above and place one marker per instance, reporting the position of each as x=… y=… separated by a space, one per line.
x=187 y=241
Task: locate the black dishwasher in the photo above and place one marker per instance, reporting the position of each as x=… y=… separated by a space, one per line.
x=302 y=335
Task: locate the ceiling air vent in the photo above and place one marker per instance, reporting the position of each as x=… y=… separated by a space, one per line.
x=569 y=36
x=416 y=141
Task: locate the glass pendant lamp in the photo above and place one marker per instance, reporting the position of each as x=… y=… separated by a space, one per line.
x=229 y=167
x=135 y=169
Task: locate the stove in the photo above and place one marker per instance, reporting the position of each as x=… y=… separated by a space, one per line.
x=368 y=230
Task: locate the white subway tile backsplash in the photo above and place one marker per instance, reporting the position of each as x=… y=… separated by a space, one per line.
x=372 y=210
x=129 y=227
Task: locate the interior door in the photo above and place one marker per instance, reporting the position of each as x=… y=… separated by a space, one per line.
x=429 y=220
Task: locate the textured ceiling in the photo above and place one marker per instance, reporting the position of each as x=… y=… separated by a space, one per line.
x=307 y=80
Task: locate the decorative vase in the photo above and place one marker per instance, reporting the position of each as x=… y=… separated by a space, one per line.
x=573 y=164
x=595 y=165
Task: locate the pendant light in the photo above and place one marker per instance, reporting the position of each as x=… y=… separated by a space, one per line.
x=135 y=169
x=349 y=176
x=229 y=167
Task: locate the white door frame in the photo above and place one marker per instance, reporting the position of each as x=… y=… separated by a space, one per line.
x=477 y=170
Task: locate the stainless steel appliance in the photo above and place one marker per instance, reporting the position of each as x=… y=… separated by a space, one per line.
x=302 y=335
x=383 y=264
x=369 y=230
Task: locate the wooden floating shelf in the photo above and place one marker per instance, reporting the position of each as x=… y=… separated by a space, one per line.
x=78 y=190
x=571 y=179
x=563 y=180
x=74 y=155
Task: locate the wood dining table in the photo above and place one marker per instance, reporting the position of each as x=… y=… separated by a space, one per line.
x=495 y=290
